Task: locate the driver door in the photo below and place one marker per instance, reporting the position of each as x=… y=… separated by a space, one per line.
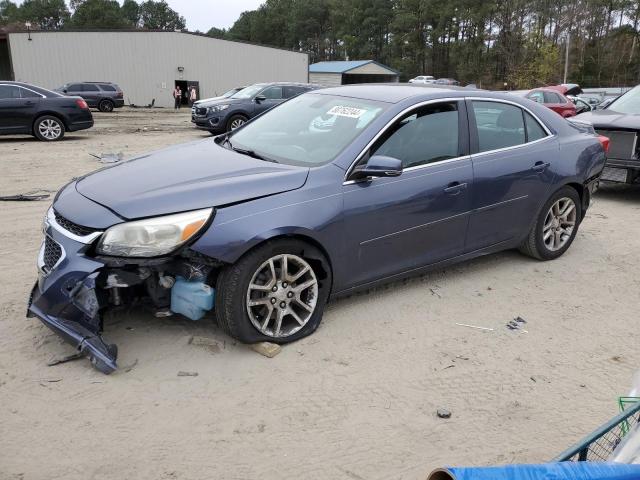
x=273 y=96
x=397 y=224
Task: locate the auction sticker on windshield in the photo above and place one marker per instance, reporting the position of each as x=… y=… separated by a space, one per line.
x=350 y=112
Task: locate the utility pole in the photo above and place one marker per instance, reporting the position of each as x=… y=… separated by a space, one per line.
x=566 y=57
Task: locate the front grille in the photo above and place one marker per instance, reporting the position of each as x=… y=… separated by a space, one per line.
x=74 y=228
x=51 y=254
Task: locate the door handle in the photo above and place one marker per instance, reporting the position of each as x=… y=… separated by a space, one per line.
x=30 y=104
x=454 y=188
x=540 y=166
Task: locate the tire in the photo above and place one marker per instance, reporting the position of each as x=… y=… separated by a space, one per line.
x=234 y=295
x=236 y=121
x=551 y=236
x=106 y=106
x=48 y=128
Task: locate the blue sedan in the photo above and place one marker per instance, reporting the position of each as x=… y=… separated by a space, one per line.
x=333 y=191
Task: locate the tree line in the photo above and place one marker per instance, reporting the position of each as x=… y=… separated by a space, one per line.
x=86 y=14
x=492 y=43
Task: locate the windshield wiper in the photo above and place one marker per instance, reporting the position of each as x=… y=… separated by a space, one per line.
x=251 y=153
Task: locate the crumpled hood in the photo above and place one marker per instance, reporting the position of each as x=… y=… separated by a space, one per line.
x=611 y=119
x=187 y=177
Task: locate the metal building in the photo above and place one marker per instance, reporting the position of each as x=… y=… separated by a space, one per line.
x=147 y=65
x=351 y=71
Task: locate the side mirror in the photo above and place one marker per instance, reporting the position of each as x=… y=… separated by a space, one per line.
x=260 y=98
x=64 y=91
x=378 y=166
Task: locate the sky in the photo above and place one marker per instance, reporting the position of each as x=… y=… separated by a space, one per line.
x=204 y=14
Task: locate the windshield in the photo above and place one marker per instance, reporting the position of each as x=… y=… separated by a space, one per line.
x=309 y=130
x=248 y=92
x=627 y=103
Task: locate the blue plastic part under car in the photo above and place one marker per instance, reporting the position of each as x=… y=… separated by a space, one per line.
x=549 y=471
x=191 y=298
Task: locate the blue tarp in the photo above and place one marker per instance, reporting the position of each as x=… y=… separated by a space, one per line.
x=550 y=471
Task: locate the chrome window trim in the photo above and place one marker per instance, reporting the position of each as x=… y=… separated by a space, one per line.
x=87 y=239
x=449 y=99
x=20 y=86
x=388 y=125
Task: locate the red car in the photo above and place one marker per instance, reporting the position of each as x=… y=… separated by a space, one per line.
x=553 y=99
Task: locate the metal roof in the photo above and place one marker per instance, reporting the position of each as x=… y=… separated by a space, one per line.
x=343 y=66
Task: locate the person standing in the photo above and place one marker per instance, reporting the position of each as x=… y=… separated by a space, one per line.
x=193 y=96
x=177 y=96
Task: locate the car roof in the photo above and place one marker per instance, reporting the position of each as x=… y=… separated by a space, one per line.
x=397 y=92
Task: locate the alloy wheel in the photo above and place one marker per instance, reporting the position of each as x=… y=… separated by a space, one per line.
x=50 y=129
x=559 y=224
x=237 y=123
x=282 y=296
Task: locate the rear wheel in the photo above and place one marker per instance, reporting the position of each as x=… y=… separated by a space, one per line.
x=556 y=226
x=105 y=106
x=48 y=128
x=275 y=293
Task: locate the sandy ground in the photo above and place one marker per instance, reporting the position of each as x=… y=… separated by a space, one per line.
x=358 y=399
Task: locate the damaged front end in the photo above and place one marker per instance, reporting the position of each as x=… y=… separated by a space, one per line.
x=76 y=286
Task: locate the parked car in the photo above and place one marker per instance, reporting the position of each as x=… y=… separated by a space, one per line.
x=27 y=109
x=447 y=81
x=423 y=79
x=620 y=121
x=219 y=116
x=105 y=96
x=266 y=223
x=581 y=104
x=226 y=94
x=554 y=100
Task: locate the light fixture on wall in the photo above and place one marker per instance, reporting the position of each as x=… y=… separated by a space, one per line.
x=28 y=25
x=181 y=69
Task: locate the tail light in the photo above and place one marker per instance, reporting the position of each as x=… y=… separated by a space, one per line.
x=604 y=141
x=119 y=94
x=82 y=104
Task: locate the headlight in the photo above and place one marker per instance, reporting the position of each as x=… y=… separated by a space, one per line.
x=154 y=236
x=217 y=108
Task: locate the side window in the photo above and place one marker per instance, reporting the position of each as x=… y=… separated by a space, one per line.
x=292 y=91
x=90 y=88
x=500 y=125
x=537 y=97
x=273 y=93
x=9 y=92
x=534 y=129
x=107 y=88
x=29 y=94
x=75 y=87
x=551 y=97
x=427 y=135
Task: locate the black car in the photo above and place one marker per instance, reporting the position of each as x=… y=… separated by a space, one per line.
x=620 y=121
x=105 y=96
x=47 y=115
x=219 y=116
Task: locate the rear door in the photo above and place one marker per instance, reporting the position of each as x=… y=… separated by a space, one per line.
x=74 y=90
x=91 y=94
x=513 y=156
x=402 y=223
x=17 y=108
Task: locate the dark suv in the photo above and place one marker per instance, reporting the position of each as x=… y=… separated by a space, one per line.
x=105 y=96
x=224 y=115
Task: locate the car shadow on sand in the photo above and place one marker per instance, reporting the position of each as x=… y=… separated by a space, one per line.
x=618 y=192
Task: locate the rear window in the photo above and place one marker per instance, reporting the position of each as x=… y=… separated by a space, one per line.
x=534 y=129
x=108 y=88
x=551 y=97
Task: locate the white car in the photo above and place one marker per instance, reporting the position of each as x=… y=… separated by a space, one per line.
x=423 y=79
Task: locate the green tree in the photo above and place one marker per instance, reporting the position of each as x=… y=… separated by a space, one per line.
x=9 y=12
x=157 y=15
x=131 y=12
x=45 y=14
x=217 y=32
x=103 y=14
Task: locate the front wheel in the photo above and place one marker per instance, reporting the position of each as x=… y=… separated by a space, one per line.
x=556 y=226
x=276 y=293
x=236 y=122
x=48 y=128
